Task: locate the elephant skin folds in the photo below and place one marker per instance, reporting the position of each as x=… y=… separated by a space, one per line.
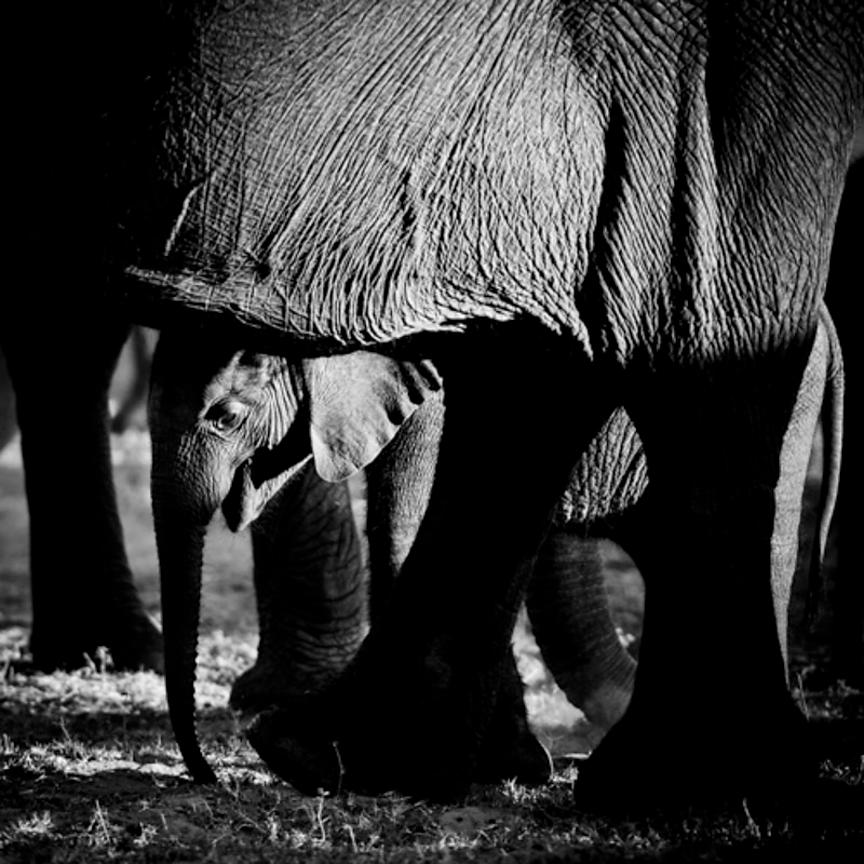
x=396 y=205
x=386 y=234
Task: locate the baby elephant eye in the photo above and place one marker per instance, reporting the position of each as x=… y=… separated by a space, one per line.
x=226 y=416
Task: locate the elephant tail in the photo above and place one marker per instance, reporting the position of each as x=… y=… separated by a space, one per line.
x=832 y=446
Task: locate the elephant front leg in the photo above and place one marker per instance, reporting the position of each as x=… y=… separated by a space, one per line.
x=415 y=709
x=311 y=592
x=711 y=716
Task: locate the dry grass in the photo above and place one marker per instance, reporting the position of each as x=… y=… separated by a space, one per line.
x=90 y=772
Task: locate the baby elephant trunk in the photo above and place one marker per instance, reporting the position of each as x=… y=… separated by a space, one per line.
x=180 y=545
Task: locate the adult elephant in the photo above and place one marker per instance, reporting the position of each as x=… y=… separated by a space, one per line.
x=629 y=199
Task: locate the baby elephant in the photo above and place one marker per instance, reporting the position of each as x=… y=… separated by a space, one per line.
x=236 y=431
x=233 y=430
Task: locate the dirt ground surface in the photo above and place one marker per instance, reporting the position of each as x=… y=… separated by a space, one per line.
x=89 y=770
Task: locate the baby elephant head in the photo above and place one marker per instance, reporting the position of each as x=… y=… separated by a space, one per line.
x=226 y=428
x=230 y=428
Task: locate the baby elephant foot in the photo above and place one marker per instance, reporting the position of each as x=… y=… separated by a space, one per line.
x=665 y=764
x=368 y=758
x=345 y=737
x=314 y=758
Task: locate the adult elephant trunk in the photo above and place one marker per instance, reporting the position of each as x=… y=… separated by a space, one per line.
x=180 y=545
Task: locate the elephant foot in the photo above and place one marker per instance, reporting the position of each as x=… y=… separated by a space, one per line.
x=367 y=762
x=509 y=749
x=134 y=642
x=312 y=765
x=641 y=767
x=376 y=744
x=526 y=761
x=430 y=740
x=300 y=744
x=137 y=645
x=311 y=757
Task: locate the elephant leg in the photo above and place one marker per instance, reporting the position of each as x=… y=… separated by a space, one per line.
x=399 y=485
x=569 y=612
x=414 y=709
x=310 y=587
x=509 y=749
x=711 y=715
x=83 y=593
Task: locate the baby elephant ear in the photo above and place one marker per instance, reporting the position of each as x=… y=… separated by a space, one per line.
x=357 y=402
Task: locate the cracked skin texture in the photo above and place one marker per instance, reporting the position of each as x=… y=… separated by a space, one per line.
x=394 y=168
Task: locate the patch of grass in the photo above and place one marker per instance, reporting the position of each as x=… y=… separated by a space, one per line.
x=89 y=772
x=39 y=825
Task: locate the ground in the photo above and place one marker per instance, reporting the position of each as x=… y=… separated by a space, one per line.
x=89 y=770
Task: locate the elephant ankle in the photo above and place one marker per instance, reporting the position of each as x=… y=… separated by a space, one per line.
x=311 y=764
x=526 y=761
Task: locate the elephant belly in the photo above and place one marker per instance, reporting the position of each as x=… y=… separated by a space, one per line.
x=406 y=169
